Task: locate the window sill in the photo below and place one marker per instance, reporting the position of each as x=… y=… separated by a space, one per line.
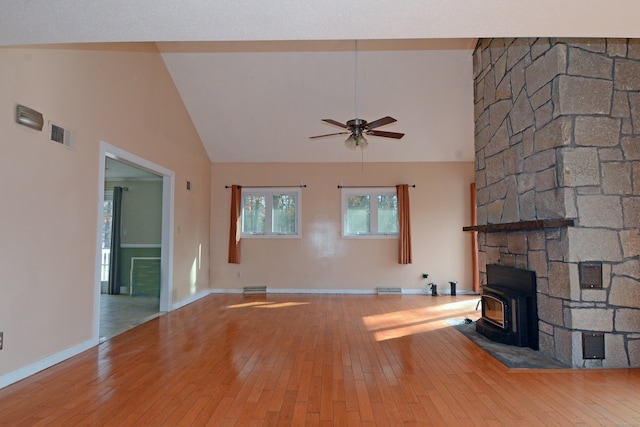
x=371 y=236
x=270 y=236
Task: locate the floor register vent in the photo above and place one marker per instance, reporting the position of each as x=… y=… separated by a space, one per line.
x=255 y=290
x=389 y=291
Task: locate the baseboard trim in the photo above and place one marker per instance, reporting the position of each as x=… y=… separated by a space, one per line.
x=420 y=291
x=225 y=291
x=319 y=291
x=298 y=291
x=190 y=299
x=42 y=364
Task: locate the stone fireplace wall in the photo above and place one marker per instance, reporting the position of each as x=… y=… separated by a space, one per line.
x=557 y=125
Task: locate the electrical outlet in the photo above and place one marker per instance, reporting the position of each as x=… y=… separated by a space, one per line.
x=1 y=340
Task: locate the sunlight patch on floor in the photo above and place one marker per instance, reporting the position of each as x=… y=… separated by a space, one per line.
x=267 y=304
x=283 y=304
x=409 y=322
x=249 y=304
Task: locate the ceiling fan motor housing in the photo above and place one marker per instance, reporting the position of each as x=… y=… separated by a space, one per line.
x=357 y=124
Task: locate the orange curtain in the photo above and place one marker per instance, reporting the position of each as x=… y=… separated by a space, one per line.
x=235 y=229
x=404 y=225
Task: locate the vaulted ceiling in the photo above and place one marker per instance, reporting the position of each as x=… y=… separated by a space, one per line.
x=261 y=101
x=257 y=77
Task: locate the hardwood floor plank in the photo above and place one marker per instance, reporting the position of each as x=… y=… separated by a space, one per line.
x=287 y=409
x=279 y=391
x=191 y=417
x=304 y=383
x=315 y=394
x=398 y=408
x=380 y=415
x=217 y=416
x=339 y=414
x=299 y=414
x=350 y=393
x=316 y=360
x=326 y=394
x=364 y=402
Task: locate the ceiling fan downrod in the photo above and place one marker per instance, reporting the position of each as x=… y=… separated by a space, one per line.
x=358 y=128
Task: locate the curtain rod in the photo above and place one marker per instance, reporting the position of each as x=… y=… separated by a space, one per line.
x=269 y=186
x=371 y=186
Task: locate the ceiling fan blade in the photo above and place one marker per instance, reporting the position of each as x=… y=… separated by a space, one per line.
x=329 y=134
x=381 y=122
x=395 y=135
x=334 y=122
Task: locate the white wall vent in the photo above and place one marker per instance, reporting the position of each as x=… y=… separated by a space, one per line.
x=60 y=135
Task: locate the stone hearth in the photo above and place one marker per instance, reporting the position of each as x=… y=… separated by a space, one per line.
x=557 y=125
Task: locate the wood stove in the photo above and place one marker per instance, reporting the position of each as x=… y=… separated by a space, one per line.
x=509 y=307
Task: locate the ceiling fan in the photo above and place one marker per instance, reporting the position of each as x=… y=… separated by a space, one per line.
x=357 y=128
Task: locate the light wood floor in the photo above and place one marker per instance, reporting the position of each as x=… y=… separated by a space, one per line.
x=233 y=360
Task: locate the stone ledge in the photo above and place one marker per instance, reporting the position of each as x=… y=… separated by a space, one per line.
x=538 y=224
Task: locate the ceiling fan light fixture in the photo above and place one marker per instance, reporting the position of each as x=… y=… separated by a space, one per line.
x=351 y=142
x=361 y=142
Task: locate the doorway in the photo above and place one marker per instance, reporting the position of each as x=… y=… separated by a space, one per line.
x=134 y=242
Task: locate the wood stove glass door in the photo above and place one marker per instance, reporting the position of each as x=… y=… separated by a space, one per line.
x=493 y=310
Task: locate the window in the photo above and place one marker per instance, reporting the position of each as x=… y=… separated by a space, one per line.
x=271 y=212
x=369 y=212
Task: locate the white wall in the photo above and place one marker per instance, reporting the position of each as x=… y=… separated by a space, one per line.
x=121 y=94
x=321 y=260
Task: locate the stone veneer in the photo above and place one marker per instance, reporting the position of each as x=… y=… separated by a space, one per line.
x=557 y=124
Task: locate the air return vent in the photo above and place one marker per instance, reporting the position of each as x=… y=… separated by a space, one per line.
x=389 y=291
x=255 y=290
x=60 y=135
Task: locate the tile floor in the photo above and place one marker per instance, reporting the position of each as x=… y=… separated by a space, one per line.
x=119 y=313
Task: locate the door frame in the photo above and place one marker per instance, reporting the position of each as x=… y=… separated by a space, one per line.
x=166 y=257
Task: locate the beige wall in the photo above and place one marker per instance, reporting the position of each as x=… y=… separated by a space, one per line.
x=322 y=260
x=121 y=94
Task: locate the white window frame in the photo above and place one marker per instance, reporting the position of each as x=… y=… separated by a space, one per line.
x=373 y=193
x=268 y=194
